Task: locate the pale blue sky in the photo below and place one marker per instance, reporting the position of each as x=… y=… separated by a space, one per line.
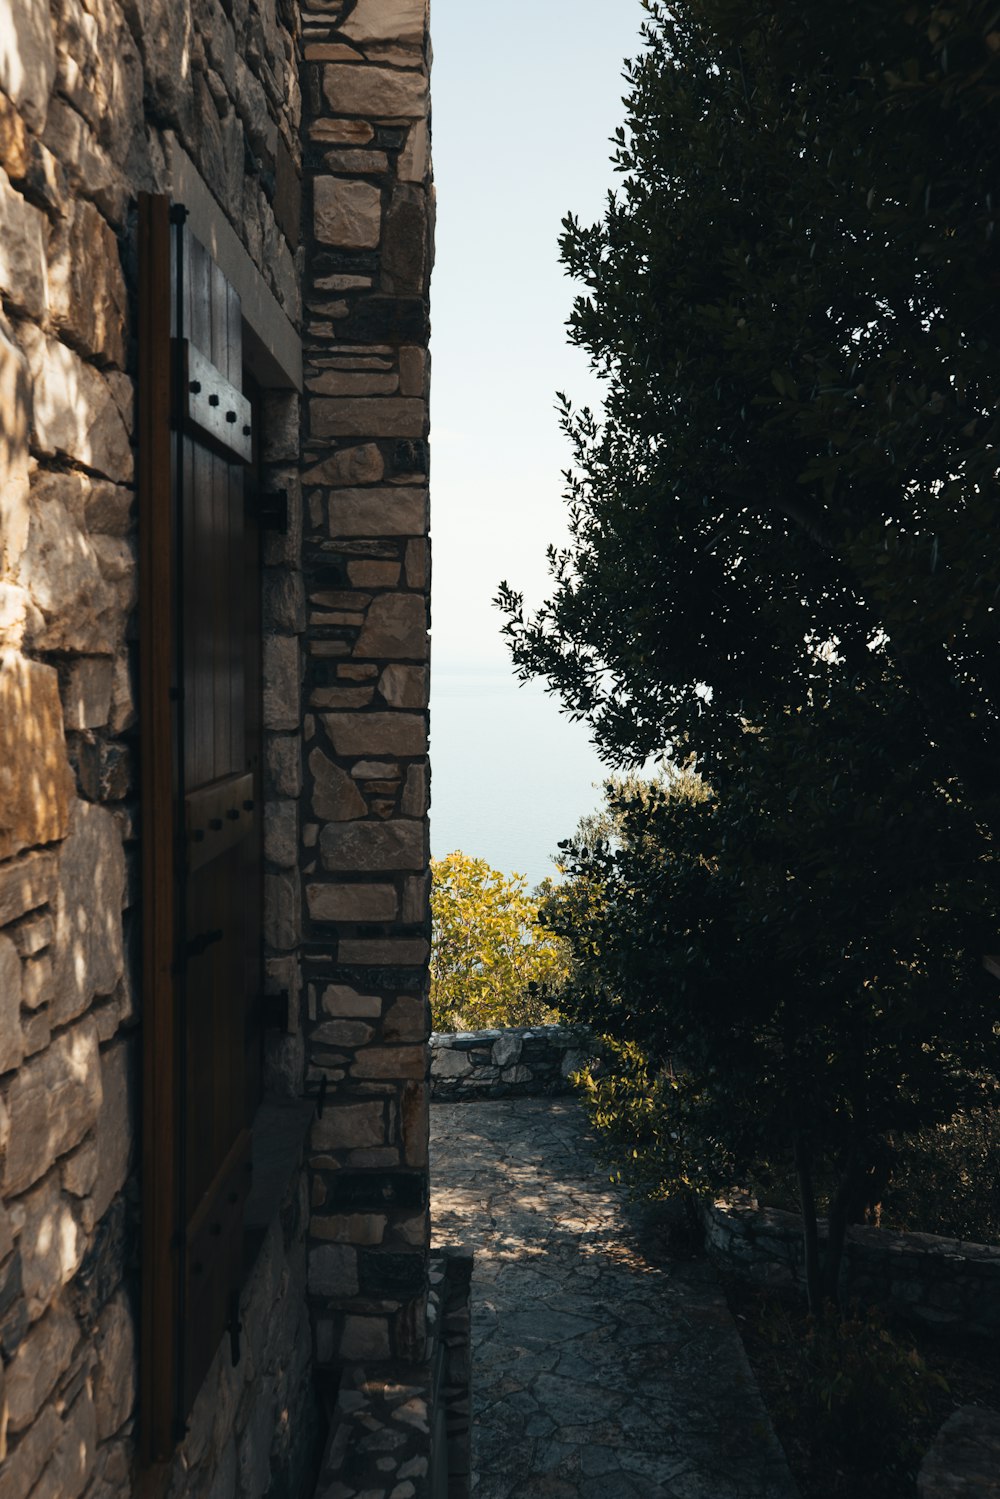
x=526 y=98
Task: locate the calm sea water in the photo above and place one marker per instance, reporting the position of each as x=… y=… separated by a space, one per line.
x=511 y=775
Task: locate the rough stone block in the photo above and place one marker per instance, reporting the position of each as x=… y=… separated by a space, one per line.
x=76 y=413
x=89 y=952
x=349 y=1126
x=38 y=1363
x=373 y=574
x=282 y=909
x=413 y=364
x=406 y=1020
x=395 y=626
x=415 y=799
x=365 y=1338
x=341 y=999
x=52 y=1244
x=32 y=934
x=283 y=756
x=89 y=170
x=378 y=512
x=11 y=1038
x=377 y=733
x=86 y=692
x=341 y=697
x=375 y=93
x=26 y=884
x=108 y=508
x=333 y=1270
x=415 y=1122
x=23 y=234
x=413 y=162
x=73 y=1455
x=53 y=1101
x=361 y=464
x=15 y=403
x=349 y=1228
x=387 y=21
x=347 y=213
x=15 y=143
x=87 y=296
x=417 y=563
x=28 y=58
x=115 y=1124
x=351 y=383
x=352 y=902
x=506 y=1049
x=284 y=602
x=405 y=260
x=373 y=846
x=281 y=677
x=390 y=1062
x=115 y=1375
x=99 y=71
x=37 y=982
x=17 y=615
x=342 y=1034
x=335 y=797
x=281 y=824
x=25 y=1463
x=78 y=607
x=79 y=1170
x=448 y=1063
x=416 y=899
x=36 y=782
x=367 y=416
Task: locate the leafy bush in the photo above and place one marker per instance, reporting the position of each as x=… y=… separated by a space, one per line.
x=491 y=963
x=853 y=1395
x=796 y=955
x=946 y=1182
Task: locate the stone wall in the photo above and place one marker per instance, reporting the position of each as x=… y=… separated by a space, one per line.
x=941 y=1282
x=409 y=1434
x=99 y=100
x=369 y=208
x=510 y=1063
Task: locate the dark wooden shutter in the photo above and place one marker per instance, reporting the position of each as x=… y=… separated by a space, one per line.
x=200 y=694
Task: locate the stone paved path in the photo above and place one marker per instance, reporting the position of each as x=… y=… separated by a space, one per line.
x=597 y=1374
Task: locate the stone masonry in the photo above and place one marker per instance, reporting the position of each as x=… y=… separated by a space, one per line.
x=263 y=115
x=99 y=100
x=947 y=1284
x=516 y=1062
x=365 y=555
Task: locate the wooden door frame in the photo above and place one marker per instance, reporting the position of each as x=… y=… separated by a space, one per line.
x=162 y=1246
x=160 y=1281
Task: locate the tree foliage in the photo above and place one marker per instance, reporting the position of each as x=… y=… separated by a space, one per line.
x=491 y=964
x=791 y=969
x=791 y=298
x=778 y=563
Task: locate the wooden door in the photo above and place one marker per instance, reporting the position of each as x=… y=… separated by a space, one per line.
x=201 y=816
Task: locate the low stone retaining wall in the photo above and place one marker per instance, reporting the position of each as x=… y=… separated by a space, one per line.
x=507 y=1063
x=944 y=1283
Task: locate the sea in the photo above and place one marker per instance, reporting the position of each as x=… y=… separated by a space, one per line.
x=511 y=774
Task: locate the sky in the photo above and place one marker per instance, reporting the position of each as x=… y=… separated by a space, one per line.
x=526 y=98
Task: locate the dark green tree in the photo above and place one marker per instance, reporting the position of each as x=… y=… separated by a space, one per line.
x=792 y=300
x=792 y=967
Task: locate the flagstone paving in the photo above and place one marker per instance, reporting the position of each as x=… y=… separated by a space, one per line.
x=600 y=1371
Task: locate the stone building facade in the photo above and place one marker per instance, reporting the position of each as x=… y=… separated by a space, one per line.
x=294 y=135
